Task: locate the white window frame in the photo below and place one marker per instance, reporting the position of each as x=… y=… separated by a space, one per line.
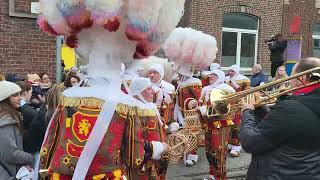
x=239 y=35
x=314 y=36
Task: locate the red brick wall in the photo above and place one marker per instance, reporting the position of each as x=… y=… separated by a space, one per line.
x=23 y=48
x=207 y=16
x=309 y=16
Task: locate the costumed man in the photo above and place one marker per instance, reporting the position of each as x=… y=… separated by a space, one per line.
x=205 y=74
x=217 y=127
x=122 y=143
x=188 y=93
x=189 y=48
x=164 y=93
x=155 y=168
x=239 y=83
x=97 y=132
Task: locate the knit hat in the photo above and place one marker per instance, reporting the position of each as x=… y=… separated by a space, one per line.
x=138 y=85
x=32 y=78
x=159 y=68
x=8 y=89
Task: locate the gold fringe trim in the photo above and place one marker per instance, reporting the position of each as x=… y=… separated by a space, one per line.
x=191 y=84
x=122 y=109
x=77 y=102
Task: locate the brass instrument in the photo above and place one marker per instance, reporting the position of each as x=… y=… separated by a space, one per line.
x=223 y=103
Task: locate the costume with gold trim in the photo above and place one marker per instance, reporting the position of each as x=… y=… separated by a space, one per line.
x=217 y=130
x=243 y=84
x=188 y=95
x=122 y=151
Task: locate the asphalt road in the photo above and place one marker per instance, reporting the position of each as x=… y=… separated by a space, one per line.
x=236 y=168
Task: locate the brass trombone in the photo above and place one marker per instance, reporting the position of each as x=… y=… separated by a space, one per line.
x=223 y=103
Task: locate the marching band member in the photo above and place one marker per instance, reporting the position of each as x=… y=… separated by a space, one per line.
x=239 y=83
x=217 y=129
x=284 y=143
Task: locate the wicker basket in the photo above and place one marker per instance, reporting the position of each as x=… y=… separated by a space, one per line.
x=181 y=143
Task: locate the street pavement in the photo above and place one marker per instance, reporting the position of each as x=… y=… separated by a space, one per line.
x=236 y=168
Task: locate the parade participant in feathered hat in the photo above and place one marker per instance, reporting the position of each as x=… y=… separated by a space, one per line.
x=217 y=128
x=96 y=132
x=188 y=47
x=239 y=83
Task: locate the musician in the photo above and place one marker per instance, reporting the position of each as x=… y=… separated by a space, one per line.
x=239 y=83
x=285 y=143
x=188 y=93
x=217 y=129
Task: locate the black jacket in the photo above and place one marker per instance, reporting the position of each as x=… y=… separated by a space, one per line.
x=28 y=113
x=286 y=143
x=277 y=49
x=38 y=128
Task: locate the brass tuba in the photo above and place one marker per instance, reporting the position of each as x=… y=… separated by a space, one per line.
x=223 y=103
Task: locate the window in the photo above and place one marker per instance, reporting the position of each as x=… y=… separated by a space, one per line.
x=316 y=40
x=239 y=40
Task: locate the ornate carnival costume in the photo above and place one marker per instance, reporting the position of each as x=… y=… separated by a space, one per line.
x=96 y=133
x=239 y=83
x=187 y=48
x=217 y=127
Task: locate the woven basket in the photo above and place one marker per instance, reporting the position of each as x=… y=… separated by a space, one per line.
x=183 y=142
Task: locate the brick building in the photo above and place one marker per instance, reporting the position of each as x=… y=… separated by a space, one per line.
x=23 y=48
x=240 y=27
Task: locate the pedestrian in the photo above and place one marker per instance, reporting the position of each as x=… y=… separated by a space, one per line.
x=284 y=144
x=71 y=81
x=258 y=77
x=45 y=82
x=12 y=155
x=28 y=113
x=277 y=46
x=280 y=74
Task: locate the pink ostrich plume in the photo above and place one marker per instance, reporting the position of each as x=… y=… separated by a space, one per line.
x=186 y=45
x=75 y=14
x=45 y=26
x=105 y=13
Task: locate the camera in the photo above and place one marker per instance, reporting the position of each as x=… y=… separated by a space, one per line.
x=270 y=40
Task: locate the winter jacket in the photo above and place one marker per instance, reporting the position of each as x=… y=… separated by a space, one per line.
x=258 y=78
x=277 y=50
x=12 y=156
x=28 y=113
x=285 y=144
x=38 y=128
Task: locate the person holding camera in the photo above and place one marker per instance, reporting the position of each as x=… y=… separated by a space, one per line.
x=277 y=45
